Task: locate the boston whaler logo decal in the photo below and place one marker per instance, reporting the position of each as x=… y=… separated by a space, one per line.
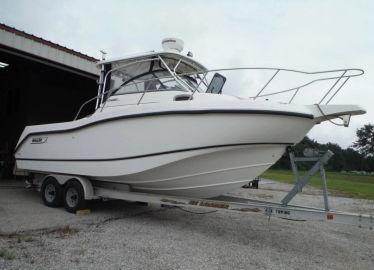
x=38 y=140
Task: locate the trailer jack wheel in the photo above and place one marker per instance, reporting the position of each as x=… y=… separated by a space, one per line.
x=51 y=192
x=73 y=196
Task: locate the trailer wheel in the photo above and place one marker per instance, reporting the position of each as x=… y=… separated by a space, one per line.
x=73 y=196
x=51 y=192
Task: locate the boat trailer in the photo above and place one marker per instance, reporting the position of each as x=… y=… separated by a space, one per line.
x=90 y=189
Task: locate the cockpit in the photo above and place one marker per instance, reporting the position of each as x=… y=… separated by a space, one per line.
x=154 y=72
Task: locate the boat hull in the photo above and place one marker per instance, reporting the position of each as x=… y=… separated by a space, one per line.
x=197 y=155
x=207 y=174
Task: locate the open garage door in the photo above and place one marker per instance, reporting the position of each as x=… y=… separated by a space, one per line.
x=32 y=92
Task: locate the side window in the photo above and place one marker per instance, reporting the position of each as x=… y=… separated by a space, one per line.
x=150 y=82
x=132 y=87
x=151 y=85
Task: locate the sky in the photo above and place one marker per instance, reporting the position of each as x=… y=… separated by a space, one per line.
x=309 y=35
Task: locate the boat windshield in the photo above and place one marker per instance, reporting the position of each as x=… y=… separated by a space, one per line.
x=153 y=81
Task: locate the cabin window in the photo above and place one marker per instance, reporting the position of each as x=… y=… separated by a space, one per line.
x=153 y=81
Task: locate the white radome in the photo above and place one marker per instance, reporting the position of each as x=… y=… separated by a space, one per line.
x=172 y=44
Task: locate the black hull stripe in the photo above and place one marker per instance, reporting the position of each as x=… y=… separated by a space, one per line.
x=221 y=111
x=157 y=154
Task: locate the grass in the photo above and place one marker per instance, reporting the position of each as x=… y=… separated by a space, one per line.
x=346 y=184
x=5 y=254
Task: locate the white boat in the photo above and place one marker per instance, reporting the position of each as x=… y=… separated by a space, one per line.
x=161 y=127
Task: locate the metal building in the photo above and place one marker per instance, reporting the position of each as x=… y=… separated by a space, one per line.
x=40 y=82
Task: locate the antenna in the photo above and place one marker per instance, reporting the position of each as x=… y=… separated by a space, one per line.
x=103 y=53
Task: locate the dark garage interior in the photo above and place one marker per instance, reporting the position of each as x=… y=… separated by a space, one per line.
x=34 y=91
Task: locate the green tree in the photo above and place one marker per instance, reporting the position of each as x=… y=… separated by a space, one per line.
x=337 y=162
x=353 y=160
x=343 y=159
x=365 y=141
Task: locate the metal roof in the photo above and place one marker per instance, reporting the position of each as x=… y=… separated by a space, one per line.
x=41 y=48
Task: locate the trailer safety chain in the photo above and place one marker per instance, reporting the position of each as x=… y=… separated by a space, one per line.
x=193 y=212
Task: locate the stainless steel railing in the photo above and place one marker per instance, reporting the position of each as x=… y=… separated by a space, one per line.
x=343 y=75
x=346 y=74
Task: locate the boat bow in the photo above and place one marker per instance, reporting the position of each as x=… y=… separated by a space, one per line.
x=327 y=112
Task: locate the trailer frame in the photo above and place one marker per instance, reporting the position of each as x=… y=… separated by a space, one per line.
x=241 y=205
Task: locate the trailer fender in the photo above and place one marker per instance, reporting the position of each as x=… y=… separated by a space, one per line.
x=86 y=183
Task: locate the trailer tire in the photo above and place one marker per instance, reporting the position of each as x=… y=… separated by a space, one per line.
x=73 y=196
x=51 y=192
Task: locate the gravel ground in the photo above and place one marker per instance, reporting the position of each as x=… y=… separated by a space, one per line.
x=118 y=235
